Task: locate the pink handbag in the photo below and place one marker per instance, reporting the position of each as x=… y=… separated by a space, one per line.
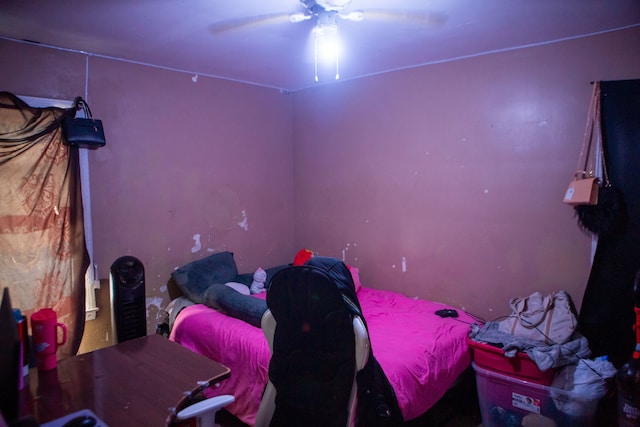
x=583 y=188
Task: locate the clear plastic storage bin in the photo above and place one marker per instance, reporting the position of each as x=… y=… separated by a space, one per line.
x=509 y=401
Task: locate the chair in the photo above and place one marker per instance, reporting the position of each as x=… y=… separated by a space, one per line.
x=204 y=412
x=317 y=345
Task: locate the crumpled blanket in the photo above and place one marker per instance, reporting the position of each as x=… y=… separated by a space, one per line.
x=545 y=356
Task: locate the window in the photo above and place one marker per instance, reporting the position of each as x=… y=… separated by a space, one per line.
x=91 y=277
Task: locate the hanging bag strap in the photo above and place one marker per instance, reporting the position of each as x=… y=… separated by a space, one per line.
x=596 y=118
x=81 y=104
x=587 y=141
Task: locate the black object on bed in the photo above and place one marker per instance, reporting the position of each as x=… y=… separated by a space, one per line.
x=234 y=304
x=203 y=282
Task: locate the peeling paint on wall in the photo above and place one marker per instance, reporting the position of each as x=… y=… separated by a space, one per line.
x=404 y=264
x=346 y=249
x=155 y=301
x=198 y=245
x=154 y=304
x=244 y=224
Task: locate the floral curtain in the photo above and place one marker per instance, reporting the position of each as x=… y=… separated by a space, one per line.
x=43 y=255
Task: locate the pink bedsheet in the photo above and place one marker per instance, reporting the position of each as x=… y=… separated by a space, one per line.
x=421 y=353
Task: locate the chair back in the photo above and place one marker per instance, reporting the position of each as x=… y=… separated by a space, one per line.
x=317 y=346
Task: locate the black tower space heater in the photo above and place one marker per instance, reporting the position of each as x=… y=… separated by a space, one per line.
x=128 y=299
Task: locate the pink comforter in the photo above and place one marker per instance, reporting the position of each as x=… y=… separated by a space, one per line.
x=421 y=353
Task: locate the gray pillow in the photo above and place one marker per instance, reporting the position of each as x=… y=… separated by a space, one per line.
x=194 y=278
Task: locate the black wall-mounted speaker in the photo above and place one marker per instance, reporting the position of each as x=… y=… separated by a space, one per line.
x=128 y=299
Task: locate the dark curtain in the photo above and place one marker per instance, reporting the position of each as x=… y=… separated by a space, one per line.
x=607 y=316
x=43 y=255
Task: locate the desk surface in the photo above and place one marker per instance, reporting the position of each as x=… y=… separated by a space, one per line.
x=134 y=383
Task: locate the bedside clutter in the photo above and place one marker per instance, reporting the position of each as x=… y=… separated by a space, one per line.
x=532 y=372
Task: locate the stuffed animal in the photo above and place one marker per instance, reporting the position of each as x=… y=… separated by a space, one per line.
x=259 y=277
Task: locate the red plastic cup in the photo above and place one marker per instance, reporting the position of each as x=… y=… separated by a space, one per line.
x=44 y=330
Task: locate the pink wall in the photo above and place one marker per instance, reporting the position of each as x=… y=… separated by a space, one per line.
x=182 y=158
x=446 y=181
x=443 y=182
x=211 y=158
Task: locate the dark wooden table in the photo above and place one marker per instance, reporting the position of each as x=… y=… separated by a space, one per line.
x=135 y=383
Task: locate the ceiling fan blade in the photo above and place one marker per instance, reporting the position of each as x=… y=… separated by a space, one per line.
x=416 y=17
x=356 y=16
x=221 y=27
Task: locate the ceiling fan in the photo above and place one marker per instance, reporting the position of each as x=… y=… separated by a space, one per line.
x=326 y=11
x=329 y=10
x=325 y=32
x=326 y=14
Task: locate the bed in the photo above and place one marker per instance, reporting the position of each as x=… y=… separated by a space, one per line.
x=421 y=353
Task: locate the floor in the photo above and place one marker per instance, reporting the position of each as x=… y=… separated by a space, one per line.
x=459 y=408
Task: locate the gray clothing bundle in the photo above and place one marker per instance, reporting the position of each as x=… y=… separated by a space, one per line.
x=545 y=356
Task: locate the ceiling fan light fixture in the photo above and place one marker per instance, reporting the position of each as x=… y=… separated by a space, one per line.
x=325 y=33
x=326 y=47
x=327 y=42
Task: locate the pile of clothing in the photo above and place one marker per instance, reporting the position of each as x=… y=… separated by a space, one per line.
x=545 y=328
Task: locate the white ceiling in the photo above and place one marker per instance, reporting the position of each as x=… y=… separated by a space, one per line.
x=253 y=41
